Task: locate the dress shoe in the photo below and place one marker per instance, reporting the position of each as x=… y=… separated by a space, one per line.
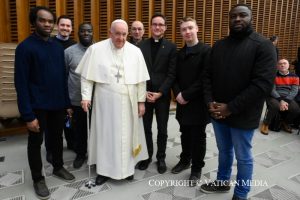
x=143 y=165
x=78 y=162
x=180 y=167
x=286 y=127
x=64 y=175
x=161 y=166
x=264 y=129
x=41 y=189
x=129 y=178
x=217 y=186
x=194 y=178
x=101 y=179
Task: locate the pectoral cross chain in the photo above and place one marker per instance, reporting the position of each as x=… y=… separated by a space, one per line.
x=118 y=76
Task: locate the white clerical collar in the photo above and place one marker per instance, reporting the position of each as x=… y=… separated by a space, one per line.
x=58 y=36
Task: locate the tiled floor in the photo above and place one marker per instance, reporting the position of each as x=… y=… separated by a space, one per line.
x=276 y=172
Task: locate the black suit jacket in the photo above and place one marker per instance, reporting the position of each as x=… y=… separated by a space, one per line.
x=189 y=69
x=162 y=70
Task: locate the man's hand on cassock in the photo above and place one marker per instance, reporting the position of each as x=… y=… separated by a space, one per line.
x=153 y=96
x=85 y=104
x=149 y=97
x=141 y=109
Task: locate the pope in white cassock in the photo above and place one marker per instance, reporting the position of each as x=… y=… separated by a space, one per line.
x=118 y=72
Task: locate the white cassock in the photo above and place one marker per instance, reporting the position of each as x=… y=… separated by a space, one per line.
x=117 y=140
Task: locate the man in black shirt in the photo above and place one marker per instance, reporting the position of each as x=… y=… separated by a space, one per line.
x=239 y=77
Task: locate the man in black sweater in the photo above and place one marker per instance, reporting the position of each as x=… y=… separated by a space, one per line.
x=239 y=76
x=40 y=81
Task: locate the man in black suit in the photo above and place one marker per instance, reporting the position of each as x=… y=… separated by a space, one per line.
x=191 y=111
x=160 y=57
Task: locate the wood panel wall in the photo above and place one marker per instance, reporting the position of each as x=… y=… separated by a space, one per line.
x=270 y=17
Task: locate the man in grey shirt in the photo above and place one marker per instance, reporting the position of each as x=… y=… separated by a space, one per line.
x=73 y=56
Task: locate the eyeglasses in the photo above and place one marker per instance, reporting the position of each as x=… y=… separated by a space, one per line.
x=159 y=25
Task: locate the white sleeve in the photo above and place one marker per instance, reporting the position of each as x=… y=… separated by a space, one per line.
x=141 y=90
x=86 y=89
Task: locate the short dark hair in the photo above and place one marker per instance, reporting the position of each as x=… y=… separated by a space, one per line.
x=85 y=23
x=33 y=14
x=187 y=19
x=64 y=17
x=241 y=4
x=273 y=38
x=159 y=15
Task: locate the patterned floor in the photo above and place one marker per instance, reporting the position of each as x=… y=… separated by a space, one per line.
x=276 y=173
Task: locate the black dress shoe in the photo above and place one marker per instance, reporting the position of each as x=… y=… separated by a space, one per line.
x=101 y=179
x=64 y=175
x=180 y=167
x=129 y=178
x=78 y=162
x=161 y=166
x=143 y=165
x=41 y=189
x=194 y=178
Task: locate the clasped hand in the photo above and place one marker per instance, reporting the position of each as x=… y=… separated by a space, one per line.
x=153 y=96
x=283 y=105
x=218 y=110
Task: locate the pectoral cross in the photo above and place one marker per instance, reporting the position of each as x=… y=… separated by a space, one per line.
x=118 y=76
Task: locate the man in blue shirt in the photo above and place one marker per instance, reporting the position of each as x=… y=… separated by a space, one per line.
x=40 y=81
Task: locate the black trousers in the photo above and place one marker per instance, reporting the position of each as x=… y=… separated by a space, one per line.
x=273 y=109
x=79 y=128
x=161 y=108
x=53 y=121
x=69 y=136
x=193 y=143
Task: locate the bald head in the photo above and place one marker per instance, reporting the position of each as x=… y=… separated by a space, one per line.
x=137 y=31
x=137 y=23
